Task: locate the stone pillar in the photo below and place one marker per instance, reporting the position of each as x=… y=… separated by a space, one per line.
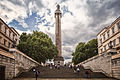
x=58 y=59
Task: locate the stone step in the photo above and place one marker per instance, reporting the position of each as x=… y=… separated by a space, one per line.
x=63 y=72
x=65 y=79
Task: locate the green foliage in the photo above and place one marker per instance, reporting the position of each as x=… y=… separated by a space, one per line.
x=38 y=46
x=84 y=51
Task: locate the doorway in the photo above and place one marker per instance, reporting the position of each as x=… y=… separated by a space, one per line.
x=2 y=72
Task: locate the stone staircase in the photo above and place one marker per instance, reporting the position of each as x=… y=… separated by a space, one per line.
x=63 y=72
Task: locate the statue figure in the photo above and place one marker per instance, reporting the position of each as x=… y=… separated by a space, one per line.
x=58 y=7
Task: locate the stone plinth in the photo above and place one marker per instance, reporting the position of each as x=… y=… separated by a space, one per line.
x=59 y=60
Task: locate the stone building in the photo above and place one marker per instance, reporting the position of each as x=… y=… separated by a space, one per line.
x=111 y=36
x=110 y=33
x=8 y=38
x=12 y=61
x=108 y=59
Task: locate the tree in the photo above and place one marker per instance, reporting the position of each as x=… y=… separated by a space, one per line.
x=84 y=51
x=37 y=46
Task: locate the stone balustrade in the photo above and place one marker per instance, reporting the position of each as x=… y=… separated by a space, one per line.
x=101 y=63
x=22 y=61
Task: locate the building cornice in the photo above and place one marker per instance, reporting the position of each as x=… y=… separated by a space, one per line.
x=109 y=26
x=7 y=26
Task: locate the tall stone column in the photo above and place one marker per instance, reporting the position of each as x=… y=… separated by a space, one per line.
x=58 y=15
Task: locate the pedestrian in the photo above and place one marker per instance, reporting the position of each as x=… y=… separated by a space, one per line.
x=78 y=70
x=36 y=74
x=50 y=67
x=58 y=67
x=74 y=68
x=86 y=74
x=55 y=66
x=33 y=69
x=71 y=66
x=89 y=73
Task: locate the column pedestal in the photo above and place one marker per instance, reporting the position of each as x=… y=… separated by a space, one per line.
x=59 y=60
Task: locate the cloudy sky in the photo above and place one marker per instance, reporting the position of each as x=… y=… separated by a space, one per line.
x=81 y=19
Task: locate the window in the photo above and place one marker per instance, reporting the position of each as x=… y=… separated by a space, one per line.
x=5 y=30
x=13 y=36
x=104 y=36
x=113 y=31
x=101 y=41
x=101 y=50
x=0 y=26
x=118 y=25
x=0 y=39
x=108 y=34
x=119 y=39
x=5 y=42
x=16 y=40
x=105 y=48
x=114 y=42
x=9 y=33
x=8 y=44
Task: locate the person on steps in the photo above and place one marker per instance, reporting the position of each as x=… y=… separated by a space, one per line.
x=86 y=74
x=74 y=68
x=89 y=73
x=78 y=70
x=36 y=74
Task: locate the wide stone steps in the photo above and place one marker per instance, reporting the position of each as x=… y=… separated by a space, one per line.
x=63 y=72
x=65 y=79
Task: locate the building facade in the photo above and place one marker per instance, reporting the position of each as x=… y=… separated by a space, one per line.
x=12 y=61
x=109 y=42
x=8 y=38
x=107 y=35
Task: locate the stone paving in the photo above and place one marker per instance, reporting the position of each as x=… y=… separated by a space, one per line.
x=65 y=79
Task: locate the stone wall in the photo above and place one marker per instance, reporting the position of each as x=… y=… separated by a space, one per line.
x=99 y=63
x=22 y=61
x=116 y=67
x=9 y=64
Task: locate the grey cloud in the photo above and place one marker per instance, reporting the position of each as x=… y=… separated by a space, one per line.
x=102 y=11
x=79 y=33
x=25 y=3
x=67 y=51
x=4 y=7
x=16 y=2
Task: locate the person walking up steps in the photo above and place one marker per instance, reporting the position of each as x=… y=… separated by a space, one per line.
x=86 y=74
x=36 y=74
